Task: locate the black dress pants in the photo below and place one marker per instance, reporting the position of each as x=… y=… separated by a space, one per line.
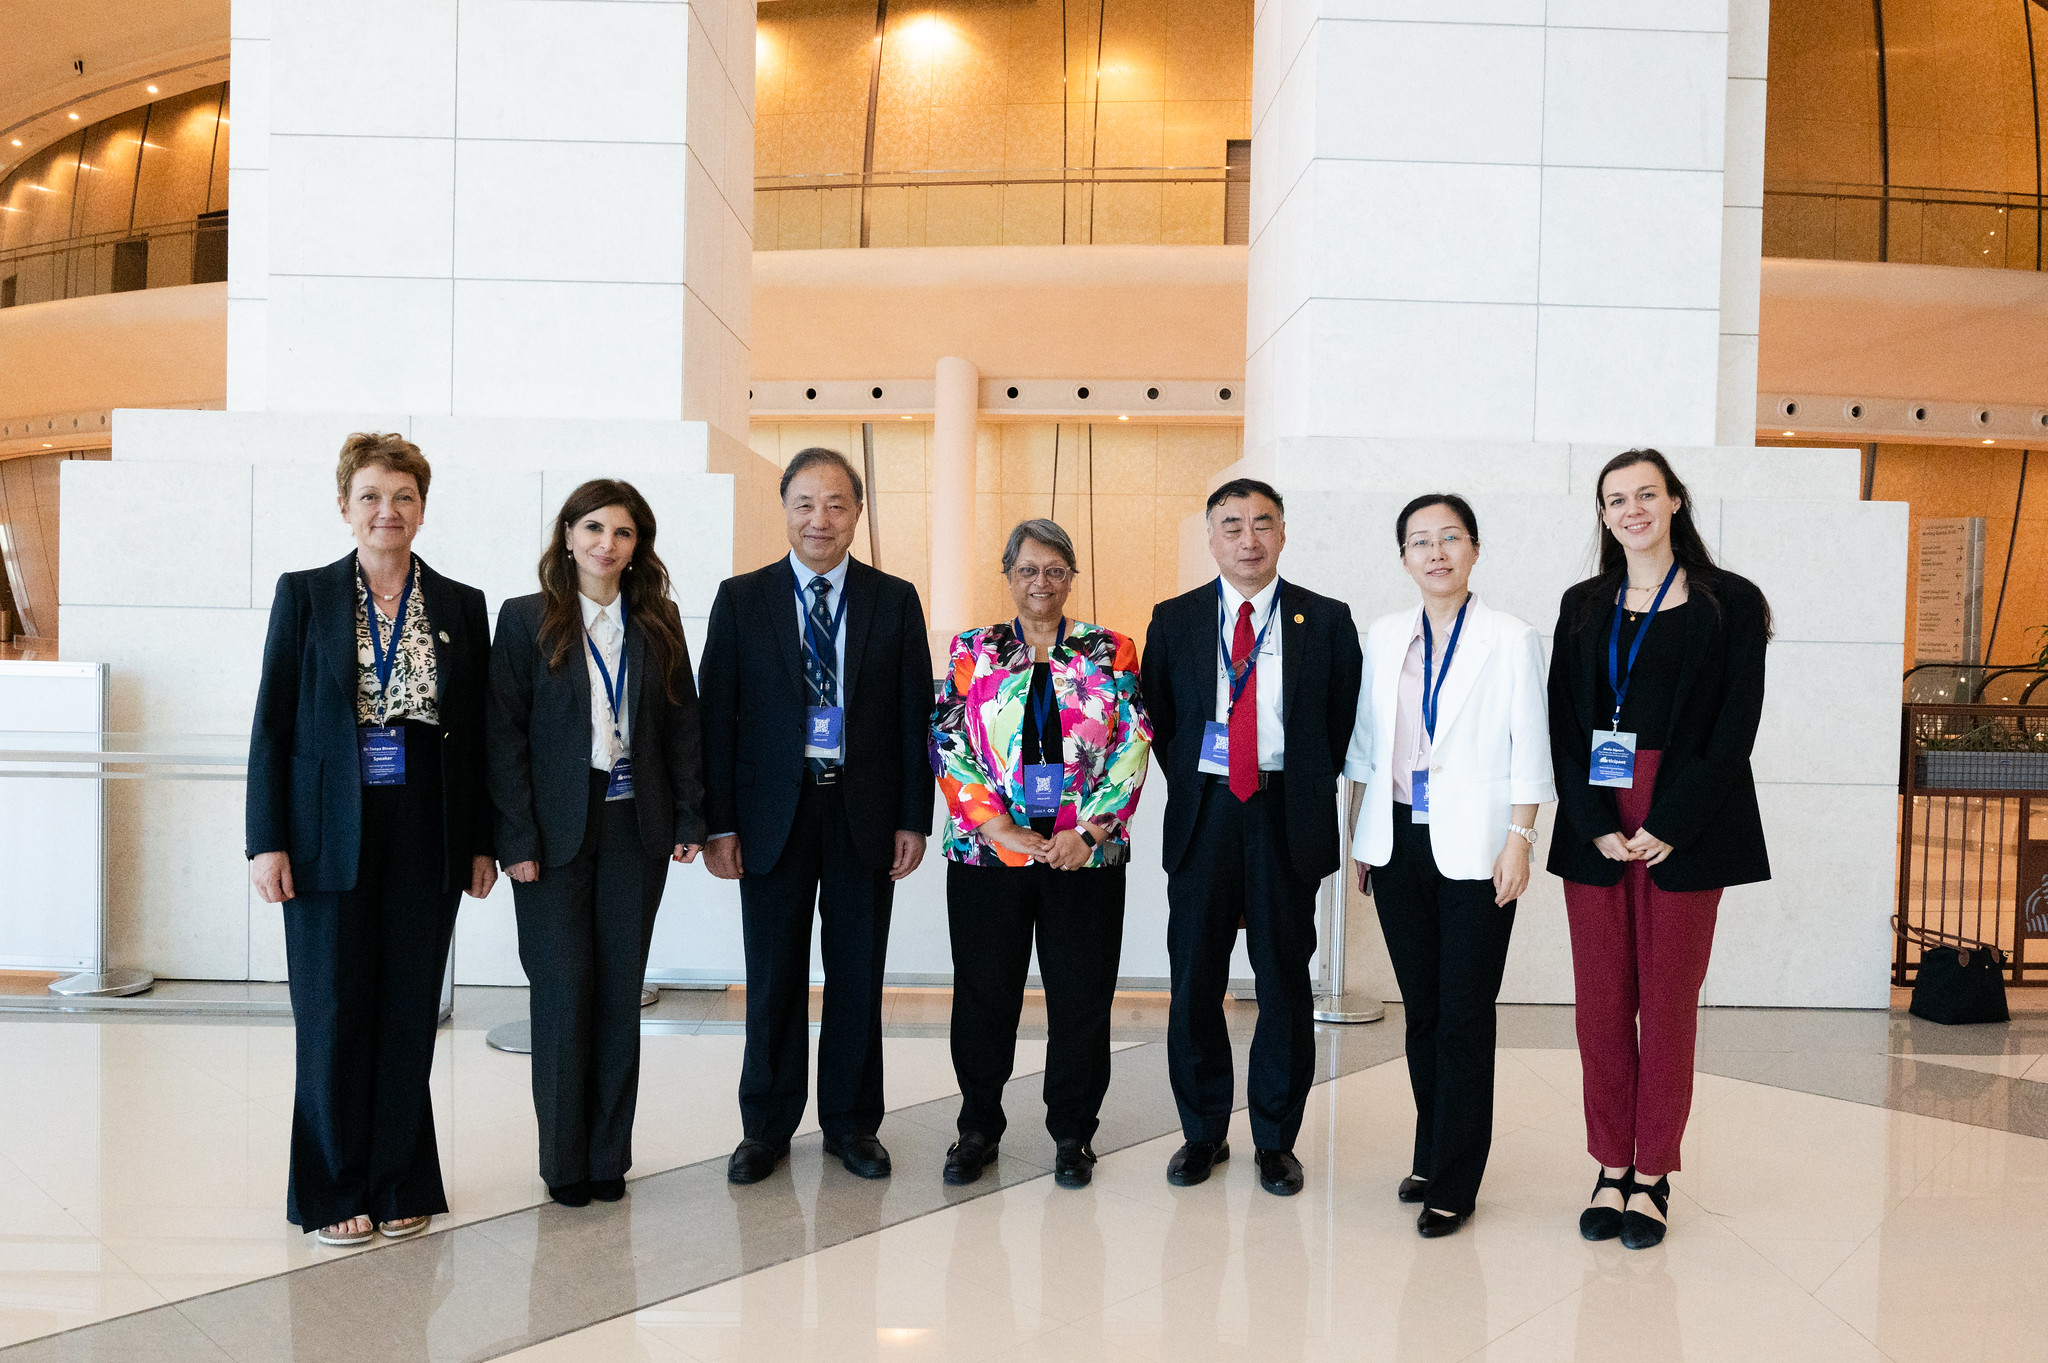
x=819 y=872
x=584 y=930
x=366 y=968
x=1237 y=866
x=1449 y=944
x=1078 y=916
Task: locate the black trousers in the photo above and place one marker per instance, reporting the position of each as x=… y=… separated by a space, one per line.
x=366 y=968
x=1237 y=867
x=1449 y=944
x=584 y=930
x=1078 y=916
x=818 y=871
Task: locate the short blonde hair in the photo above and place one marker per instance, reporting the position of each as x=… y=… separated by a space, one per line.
x=365 y=450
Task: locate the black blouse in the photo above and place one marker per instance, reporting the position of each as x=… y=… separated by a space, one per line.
x=1653 y=683
x=1035 y=750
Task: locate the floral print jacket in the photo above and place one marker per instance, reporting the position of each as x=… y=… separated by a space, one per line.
x=977 y=744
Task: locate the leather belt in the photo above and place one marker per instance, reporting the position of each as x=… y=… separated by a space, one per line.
x=1267 y=779
x=827 y=777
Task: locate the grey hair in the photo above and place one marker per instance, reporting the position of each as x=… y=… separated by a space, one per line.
x=1045 y=532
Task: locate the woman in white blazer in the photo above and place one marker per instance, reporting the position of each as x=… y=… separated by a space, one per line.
x=1451 y=752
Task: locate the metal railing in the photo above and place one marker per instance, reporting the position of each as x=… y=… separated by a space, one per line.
x=190 y=252
x=1906 y=224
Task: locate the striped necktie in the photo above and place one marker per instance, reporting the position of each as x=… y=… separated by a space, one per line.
x=821 y=663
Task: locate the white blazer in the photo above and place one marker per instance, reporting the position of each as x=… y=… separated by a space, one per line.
x=1492 y=745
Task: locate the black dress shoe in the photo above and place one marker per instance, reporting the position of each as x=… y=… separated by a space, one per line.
x=1412 y=1189
x=1279 y=1172
x=863 y=1156
x=607 y=1189
x=1433 y=1225
x=1074 y=1164
x=1639 y=1231
x=1604 y=1223
x=754 y=1160
x=1193 y=1161
x=571 y=1194
x=965 y=1160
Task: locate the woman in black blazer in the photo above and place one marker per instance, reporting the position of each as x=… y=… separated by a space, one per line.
x=1656 y=687
x=368 y=816
x=597 y=776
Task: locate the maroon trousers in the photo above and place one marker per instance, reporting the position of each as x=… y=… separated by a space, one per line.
x=1639 y=955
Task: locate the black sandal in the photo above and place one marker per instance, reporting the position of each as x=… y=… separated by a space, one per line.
x=1639 y=1231
x=1604 y=1223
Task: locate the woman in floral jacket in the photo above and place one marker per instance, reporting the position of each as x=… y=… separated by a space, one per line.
x=1040 y=744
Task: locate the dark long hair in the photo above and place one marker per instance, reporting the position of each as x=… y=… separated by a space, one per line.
x=645 y=583
x=1703 y=576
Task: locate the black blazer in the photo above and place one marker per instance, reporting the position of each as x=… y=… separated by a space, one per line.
x=1704 y=803
x=1320 y=668
x=539 y=742
x=753 y=708
x=305 y=780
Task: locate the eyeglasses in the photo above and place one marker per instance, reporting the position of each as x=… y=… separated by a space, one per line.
x=1055 y=576
x=1449 y=538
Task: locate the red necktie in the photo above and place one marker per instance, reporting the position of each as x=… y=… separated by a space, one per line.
x=1244 y=715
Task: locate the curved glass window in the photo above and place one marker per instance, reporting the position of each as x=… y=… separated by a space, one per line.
x=136 y=201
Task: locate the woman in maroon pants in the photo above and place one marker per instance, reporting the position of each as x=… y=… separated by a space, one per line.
x=1656 y=685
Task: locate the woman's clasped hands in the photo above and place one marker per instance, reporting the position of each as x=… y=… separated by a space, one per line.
x=1063 y=851
x=1645 y=847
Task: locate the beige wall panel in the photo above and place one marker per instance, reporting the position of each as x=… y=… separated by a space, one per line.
x=1208 y=50
x=1031 y=136
x=1194 y=131
x=1134 y=37
x=1131 y=134
x=1190 y=215
x=966 y=137
x=1126 y=459
x=1031 y=214
x=817 y=142
x=1127 y=214
x=903 y=138
x=963 y=215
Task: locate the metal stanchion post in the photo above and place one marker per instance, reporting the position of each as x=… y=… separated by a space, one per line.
x=1335 y=1002
x=516 y=1038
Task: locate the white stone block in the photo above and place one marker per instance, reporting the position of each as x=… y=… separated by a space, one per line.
x=297 y=523
x=1735 y=403
x=1742 y=243
x=1714 y=472
x=604 y=211
x=1284 y=140
x=1524 y=12
x=266 y=940
x=1281 y=266
x=552 y=442
x=249 y=242
x=703 y=241
x=1631 y=238
x=1636 y=375
x=1697 y=16
x=321 y=361
x=177 y=882
x=1749 y=39
x=1457 y=370
x=1427 y=232
x=1634 y=99
x=1831 y=714
x=362 y=205
x=572 y=70
x=547 y=349
x=173 y=669
x=249 y=19
x=1280 y=35
x=190 y=520
x=479 y=530
x=249 y=72
x=182 y=436
x=248 y=354
x=1778 y=543
x=702 y=365
x=1745 y=143
x=1430 y=92
x=371 y=68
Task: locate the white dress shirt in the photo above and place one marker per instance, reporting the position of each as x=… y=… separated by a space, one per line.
x=837 y=577
x=1272 y=730
x=601 y=623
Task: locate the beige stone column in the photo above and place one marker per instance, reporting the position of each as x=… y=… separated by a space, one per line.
x=956 y=403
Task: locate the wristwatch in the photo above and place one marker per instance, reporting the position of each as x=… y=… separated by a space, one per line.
x=1528 y=833
x=1087 y=835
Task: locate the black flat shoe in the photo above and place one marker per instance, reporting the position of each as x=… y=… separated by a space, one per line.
x=965 y=1160
x=754 y=1160
x=607 y=1189
x=863 y=1156
x=1434 y=1225
x=1639 y=1231
x=1074 y=1164
x=1193 y=1161
x=571 y=1194
x=1279 y=1172
x=1604 y=1223
x=1412 y=1189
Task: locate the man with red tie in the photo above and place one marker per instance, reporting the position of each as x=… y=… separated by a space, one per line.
x=1252 y=686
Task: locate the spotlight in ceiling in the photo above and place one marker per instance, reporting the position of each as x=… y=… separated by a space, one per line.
x=150 y=88
x=1791 y=433
x=72 y=117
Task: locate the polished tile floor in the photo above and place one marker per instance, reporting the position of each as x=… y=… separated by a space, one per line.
x=1856 y=1186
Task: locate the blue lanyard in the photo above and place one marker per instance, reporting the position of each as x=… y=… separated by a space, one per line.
x=1431 y=693
x=1237 y=682
x=1041 y=705
x=382 y=659
x=817 y=650
x=615 y=695
x=1617 y=676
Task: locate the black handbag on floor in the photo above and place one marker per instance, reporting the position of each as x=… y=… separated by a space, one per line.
x=1959 y=980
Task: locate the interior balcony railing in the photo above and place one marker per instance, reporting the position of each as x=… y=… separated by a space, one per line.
x=194 y=251
x=1009 y=205
x=1819 y=220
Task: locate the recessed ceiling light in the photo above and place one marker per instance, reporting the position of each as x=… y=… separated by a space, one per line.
x=1123 y=418
x=1791 y=433
x=72 y=117
x=17 y=141
x=1991 y=442
x=150 y=88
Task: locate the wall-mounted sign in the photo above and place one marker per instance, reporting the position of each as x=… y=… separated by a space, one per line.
x=1948 y=603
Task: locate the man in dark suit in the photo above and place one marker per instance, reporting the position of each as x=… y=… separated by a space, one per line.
x=1252 y=685
x=817 y=694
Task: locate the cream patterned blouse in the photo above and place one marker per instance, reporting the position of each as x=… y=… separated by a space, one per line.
x=413 y=693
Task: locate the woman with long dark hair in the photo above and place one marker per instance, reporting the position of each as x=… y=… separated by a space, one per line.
x=596 y=772
x=1656 y=687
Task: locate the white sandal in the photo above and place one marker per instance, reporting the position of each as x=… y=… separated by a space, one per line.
x=411 y=1226
x=326 y=1235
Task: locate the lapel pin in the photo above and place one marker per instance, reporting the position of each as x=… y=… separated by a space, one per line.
x=1299 y=619
x=444 y=633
